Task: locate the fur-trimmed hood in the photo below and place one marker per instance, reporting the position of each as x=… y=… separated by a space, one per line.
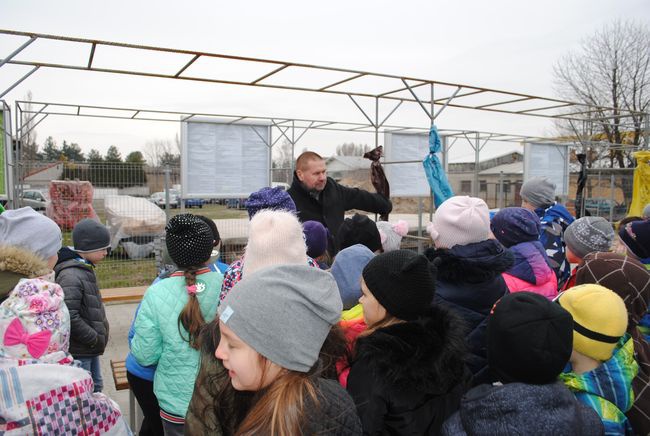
x=427 y=354
x=471 y=263
x=17 y=263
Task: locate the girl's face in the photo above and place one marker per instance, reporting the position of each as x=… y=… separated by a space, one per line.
x=373 y=312
x=245 y=365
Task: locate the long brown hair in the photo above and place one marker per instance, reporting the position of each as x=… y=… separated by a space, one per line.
x=191 y=317
x=280 y=409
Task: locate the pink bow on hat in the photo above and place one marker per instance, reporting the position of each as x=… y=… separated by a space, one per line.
x=36 y=343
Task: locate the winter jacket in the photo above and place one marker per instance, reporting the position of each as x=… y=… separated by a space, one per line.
x=330 y=205
x=531 y=271
x=555 y=219
x=50 y=398
x=469 y=282
x=608 y=388
x=17 y=263
x=335 y=414
x=352 y=328
x=132 y=365
x=408 y=378
x=88 y=324
x=157 y=339
x=523 y=409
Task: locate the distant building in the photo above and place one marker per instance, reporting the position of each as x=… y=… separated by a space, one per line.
x=506 y=170
x=341 y=167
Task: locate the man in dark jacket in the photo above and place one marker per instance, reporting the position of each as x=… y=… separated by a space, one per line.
x=75 y=273
x=320 y=198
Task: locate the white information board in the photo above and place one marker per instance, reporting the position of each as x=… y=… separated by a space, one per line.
x=550 y=161
x=221 y=160
x=406 y=179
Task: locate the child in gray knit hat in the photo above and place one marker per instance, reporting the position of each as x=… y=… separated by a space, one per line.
x=583 y=236
x=272 y=330
x=538 y=195
x=75 y=273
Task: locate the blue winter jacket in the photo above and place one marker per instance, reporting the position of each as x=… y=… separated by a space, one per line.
x=555 y=219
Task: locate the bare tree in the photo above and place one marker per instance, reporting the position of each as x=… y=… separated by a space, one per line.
x=282 y=155
x=159 y=150
x=351 y=149
x=611 y=70
x=28 y=132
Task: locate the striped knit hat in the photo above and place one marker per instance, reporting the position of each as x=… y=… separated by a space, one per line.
x=460 y=220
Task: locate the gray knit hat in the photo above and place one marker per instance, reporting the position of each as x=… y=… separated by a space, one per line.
x=538 y=191
x=30 y=230
x=89 y=235
x=284 y=312
x=589 y=234
x=646 y=211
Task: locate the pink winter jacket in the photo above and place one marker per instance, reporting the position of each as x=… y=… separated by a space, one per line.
x=531 y=271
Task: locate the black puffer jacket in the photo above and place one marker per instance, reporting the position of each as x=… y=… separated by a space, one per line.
x=408 y=378
x=88 y=323
x=335 y=414
x=521 y=409
x=329 y=209
x=469 y=282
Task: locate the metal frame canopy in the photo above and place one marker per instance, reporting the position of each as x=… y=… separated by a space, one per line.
x=433 y=97
x=204 y=67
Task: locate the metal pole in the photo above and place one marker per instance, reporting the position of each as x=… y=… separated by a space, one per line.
x=420 y=207
x=19 y=81
x=500 y=202
x=18 y=50
x=611 y=198
x=376 y=122
x=477 y=155
x=431 y=202
x=167 y=171
x=646 y=134
x=18 y=188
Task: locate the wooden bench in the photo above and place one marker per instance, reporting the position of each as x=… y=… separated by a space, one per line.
x=118 y=369
x=122 y=295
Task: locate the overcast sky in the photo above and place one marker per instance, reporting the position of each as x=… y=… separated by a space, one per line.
x=509 y=45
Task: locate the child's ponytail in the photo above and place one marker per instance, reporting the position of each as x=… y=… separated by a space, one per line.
x=191 y=317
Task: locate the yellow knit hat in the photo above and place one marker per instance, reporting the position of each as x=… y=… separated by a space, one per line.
x=599 y=319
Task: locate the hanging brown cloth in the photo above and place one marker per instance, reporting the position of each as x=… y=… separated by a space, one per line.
x=582 y=181
x=377 y=175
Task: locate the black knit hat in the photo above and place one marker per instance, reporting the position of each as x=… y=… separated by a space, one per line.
x=213 y=227
x=189 y=240
x=529 y=339
x=402 y=281
x=358 y=230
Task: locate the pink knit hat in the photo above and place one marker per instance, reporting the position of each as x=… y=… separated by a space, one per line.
x=35 y=323
x=274 y=238
x=460 y=220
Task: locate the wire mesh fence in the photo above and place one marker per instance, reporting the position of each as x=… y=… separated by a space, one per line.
x=135 y=201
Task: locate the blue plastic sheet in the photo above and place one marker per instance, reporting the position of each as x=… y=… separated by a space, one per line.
x=433 y=169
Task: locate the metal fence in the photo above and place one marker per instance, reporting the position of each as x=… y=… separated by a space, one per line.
x=149 y=196
x=134 y=201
